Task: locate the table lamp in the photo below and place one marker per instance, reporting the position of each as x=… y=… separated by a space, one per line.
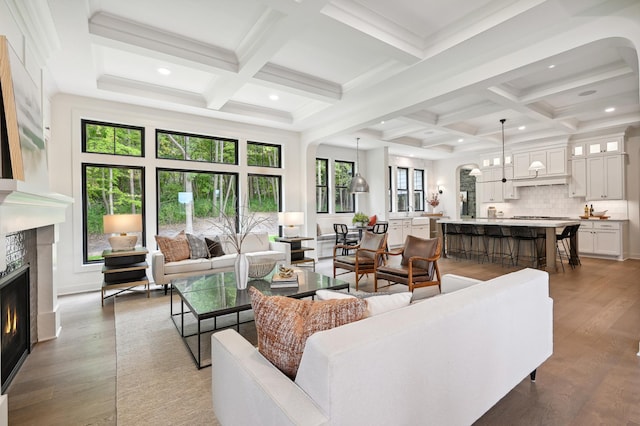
x=121 y=224
x=290 y=222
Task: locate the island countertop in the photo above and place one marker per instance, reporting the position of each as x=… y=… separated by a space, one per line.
x=538 y=223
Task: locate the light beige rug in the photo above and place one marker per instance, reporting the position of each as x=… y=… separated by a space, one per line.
x=157 y=380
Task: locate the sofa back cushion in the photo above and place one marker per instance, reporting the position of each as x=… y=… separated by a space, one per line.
x=255 y=241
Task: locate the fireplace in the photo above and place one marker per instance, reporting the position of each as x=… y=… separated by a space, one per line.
x=14 y=323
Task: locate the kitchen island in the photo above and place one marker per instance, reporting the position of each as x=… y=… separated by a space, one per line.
x=550 y=227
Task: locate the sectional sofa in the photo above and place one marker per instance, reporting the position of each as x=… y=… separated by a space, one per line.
x=443 y=361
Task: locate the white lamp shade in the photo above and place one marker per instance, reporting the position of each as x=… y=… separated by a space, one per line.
x=122 y=223
x=291 y=218
x=475 y=172
x=536 y=165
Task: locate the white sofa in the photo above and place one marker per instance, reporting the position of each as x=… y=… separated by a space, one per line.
x=443 y=361
x=256 y=245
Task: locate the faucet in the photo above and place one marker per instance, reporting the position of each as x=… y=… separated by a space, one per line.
x=409 y=209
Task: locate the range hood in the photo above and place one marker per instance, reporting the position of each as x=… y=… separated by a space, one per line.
x=542 y=181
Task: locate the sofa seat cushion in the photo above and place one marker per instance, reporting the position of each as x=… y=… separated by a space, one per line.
x=283 y=324
x=225 y=261
x=187 y=265
x=265 y=254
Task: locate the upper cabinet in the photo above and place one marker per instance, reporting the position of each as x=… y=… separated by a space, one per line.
x=605 y=177
x=600 y=164
x=554 y=160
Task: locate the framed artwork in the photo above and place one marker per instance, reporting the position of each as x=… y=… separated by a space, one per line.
x=9 y=135
x=28 y=106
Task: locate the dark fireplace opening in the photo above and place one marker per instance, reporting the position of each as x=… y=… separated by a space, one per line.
x=14 y=323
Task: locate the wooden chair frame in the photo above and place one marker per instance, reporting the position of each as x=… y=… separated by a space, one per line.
x=360 y=268
x=410 y=281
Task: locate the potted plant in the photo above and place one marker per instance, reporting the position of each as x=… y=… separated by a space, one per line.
x=360 y=218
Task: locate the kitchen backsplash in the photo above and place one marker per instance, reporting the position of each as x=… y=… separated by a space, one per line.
x=554 y=200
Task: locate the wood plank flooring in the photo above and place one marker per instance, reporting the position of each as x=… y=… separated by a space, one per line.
x=593 y=377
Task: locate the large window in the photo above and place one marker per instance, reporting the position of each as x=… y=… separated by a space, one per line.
x=191 y=201
x=114 y=139
x=344 y=200
x=322 y=185
x=418 y=189
x=108 y=190
x=402 y=189
x=263 y=155
x=189 y=147
x=265 y=200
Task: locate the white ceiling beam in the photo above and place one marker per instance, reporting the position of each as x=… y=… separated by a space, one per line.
x=150 y=91
x=233 y=107
x=304 y=84
x=399 y=132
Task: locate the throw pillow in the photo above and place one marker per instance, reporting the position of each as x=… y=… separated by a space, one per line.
x=214 y=247
x=197 y=247
x=284 y=324
x=372 y=220
x=174 y=249
x=376 y=303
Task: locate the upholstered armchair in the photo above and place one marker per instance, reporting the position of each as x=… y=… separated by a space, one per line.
x=365 y=259
x=418 y=264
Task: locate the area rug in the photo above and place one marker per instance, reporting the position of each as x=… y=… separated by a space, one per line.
x=157 y=382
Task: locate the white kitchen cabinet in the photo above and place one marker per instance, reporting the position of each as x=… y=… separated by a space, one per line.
x=605 y=177
x=554 y=160
x=610 y=145
x=492 y=185
x=394 y=233
x=509 y=191
x=578 y=181
x=601 y=238
x=420 y=231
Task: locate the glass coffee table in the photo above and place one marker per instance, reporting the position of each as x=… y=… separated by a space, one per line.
x=206 y=298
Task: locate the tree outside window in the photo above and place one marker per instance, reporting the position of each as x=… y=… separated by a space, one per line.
x=344 y=200
x=108 y=190
x=322 y=185
x=190 y=147
x=402 y=188
x=210 y=193
x=114 y=139
x=418 y=189
x=263 y=155
x=265 y=201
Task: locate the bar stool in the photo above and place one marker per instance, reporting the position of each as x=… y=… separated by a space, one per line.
x=475 y=233
x=528 y=234
x=455 y=244
x=561 y=240
x=494 y=234
x=567 y=239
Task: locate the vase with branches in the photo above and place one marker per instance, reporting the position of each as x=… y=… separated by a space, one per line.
x=433 y=201
x=235 y=226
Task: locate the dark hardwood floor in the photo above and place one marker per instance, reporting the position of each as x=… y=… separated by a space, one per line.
x=593 y=377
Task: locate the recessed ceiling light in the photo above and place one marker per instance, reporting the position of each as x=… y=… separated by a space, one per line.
x=164 y=71
x=382 y=122
x=460 y=140
x=587 y=93
x=274 y=97
x=522 y=127
x=610 y=109
x=552 y=66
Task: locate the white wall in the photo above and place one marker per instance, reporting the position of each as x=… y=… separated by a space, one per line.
x=68 y=110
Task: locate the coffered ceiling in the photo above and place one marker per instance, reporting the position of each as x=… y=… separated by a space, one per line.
x=431 y=78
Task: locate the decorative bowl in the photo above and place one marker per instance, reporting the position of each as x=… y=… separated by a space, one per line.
x=262 y=269
x=601 y=213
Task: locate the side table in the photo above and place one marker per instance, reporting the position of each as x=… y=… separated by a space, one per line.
x=124 y=270
x=298 y=250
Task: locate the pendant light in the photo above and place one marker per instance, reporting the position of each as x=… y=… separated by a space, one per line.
x=358 y=183
x=535 y=166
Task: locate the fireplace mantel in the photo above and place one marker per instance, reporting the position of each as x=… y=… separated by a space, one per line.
x=24 y=206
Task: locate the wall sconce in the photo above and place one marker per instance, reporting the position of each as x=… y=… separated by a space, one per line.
x=121 y=224
x=440 y=189
x=290 y=222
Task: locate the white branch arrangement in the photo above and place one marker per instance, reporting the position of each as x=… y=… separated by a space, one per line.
x=247 y=221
